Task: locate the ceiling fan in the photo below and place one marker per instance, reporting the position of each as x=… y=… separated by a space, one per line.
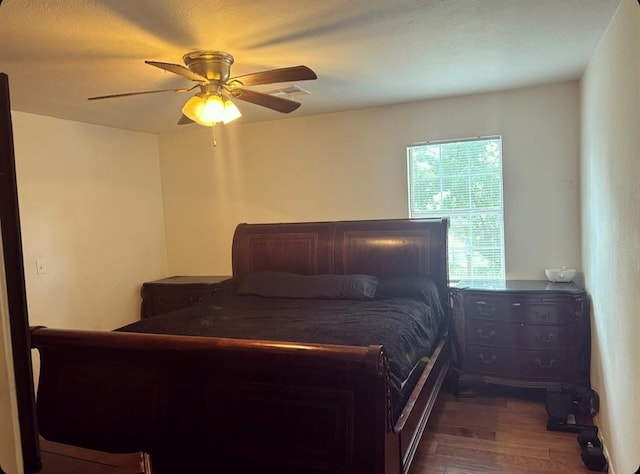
x=211 y=71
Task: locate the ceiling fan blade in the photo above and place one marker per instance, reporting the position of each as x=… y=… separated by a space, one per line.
x=286 y=74
x=184 y=120
x=127 y=94
x=270 y=101
x=180 y=70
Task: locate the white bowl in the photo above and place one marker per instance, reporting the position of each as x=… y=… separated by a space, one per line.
x=560 y=275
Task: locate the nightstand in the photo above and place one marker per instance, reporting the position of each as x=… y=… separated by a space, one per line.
x=523 y=333
x=169 y=294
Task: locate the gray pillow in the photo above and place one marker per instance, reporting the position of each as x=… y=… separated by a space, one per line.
x=419 y=287
x=293 y=285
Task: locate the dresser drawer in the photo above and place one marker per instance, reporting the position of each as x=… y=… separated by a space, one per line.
x=176 y=292
x=508 y=363
x=519 y=335
x=523 y=309
x=171 y=299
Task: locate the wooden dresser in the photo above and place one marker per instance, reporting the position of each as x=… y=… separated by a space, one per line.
x=524 y=333
x=169 y=294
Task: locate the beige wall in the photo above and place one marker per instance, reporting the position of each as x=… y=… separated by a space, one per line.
x=611 y=230
x=352 y=165
x=91 y=209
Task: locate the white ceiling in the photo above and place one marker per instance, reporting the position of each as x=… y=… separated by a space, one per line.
x=365 y=52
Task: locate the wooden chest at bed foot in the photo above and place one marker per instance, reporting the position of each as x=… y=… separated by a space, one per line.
x=168 y=294
x=523 y=333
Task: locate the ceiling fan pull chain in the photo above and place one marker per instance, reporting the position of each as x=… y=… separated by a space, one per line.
x=213 y=132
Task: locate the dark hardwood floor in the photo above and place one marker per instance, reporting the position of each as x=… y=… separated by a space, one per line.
x=63 y=459
x=500 y=431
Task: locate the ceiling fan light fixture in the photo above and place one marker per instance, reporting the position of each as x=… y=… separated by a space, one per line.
x=231 y=112
x=204 y=109
x=207 y=110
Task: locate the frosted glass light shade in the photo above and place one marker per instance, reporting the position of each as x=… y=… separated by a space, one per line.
x=204 y=110
x=231 y=112
x=210 y=109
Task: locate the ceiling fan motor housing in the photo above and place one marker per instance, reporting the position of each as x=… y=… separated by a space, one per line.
x=214 y=65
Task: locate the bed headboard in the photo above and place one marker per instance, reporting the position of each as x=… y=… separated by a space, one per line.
x=384 y=248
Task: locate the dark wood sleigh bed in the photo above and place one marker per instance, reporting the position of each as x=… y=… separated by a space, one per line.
x=209 y=404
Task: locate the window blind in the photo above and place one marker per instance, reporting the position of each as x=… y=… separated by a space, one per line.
x=462 y=179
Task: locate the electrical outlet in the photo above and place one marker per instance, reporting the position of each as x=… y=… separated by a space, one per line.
x=41 y=268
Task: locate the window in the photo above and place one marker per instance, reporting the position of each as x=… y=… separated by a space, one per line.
x=462 y=179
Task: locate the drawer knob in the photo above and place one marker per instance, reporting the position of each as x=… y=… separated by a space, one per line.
x=543 y=315
x=545 y=365
x=487 y=361
x=545 y=339
x=486 y=336
x=485 y=309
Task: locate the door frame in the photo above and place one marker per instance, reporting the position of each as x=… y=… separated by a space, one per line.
x=16 y=290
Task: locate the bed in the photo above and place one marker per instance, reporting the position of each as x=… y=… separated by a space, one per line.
x=199 y=402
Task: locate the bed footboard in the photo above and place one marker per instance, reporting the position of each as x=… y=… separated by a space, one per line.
x=196 y=403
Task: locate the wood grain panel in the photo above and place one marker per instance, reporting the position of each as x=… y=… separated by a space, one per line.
x=314 y=423
x=394 y=252
x=393 y=248
x=66 y=417
x=300 y=248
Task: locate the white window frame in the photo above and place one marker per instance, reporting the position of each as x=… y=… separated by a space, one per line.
x=468 y=247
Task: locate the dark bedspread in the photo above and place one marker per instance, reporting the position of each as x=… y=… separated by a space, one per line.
x=408 y=328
